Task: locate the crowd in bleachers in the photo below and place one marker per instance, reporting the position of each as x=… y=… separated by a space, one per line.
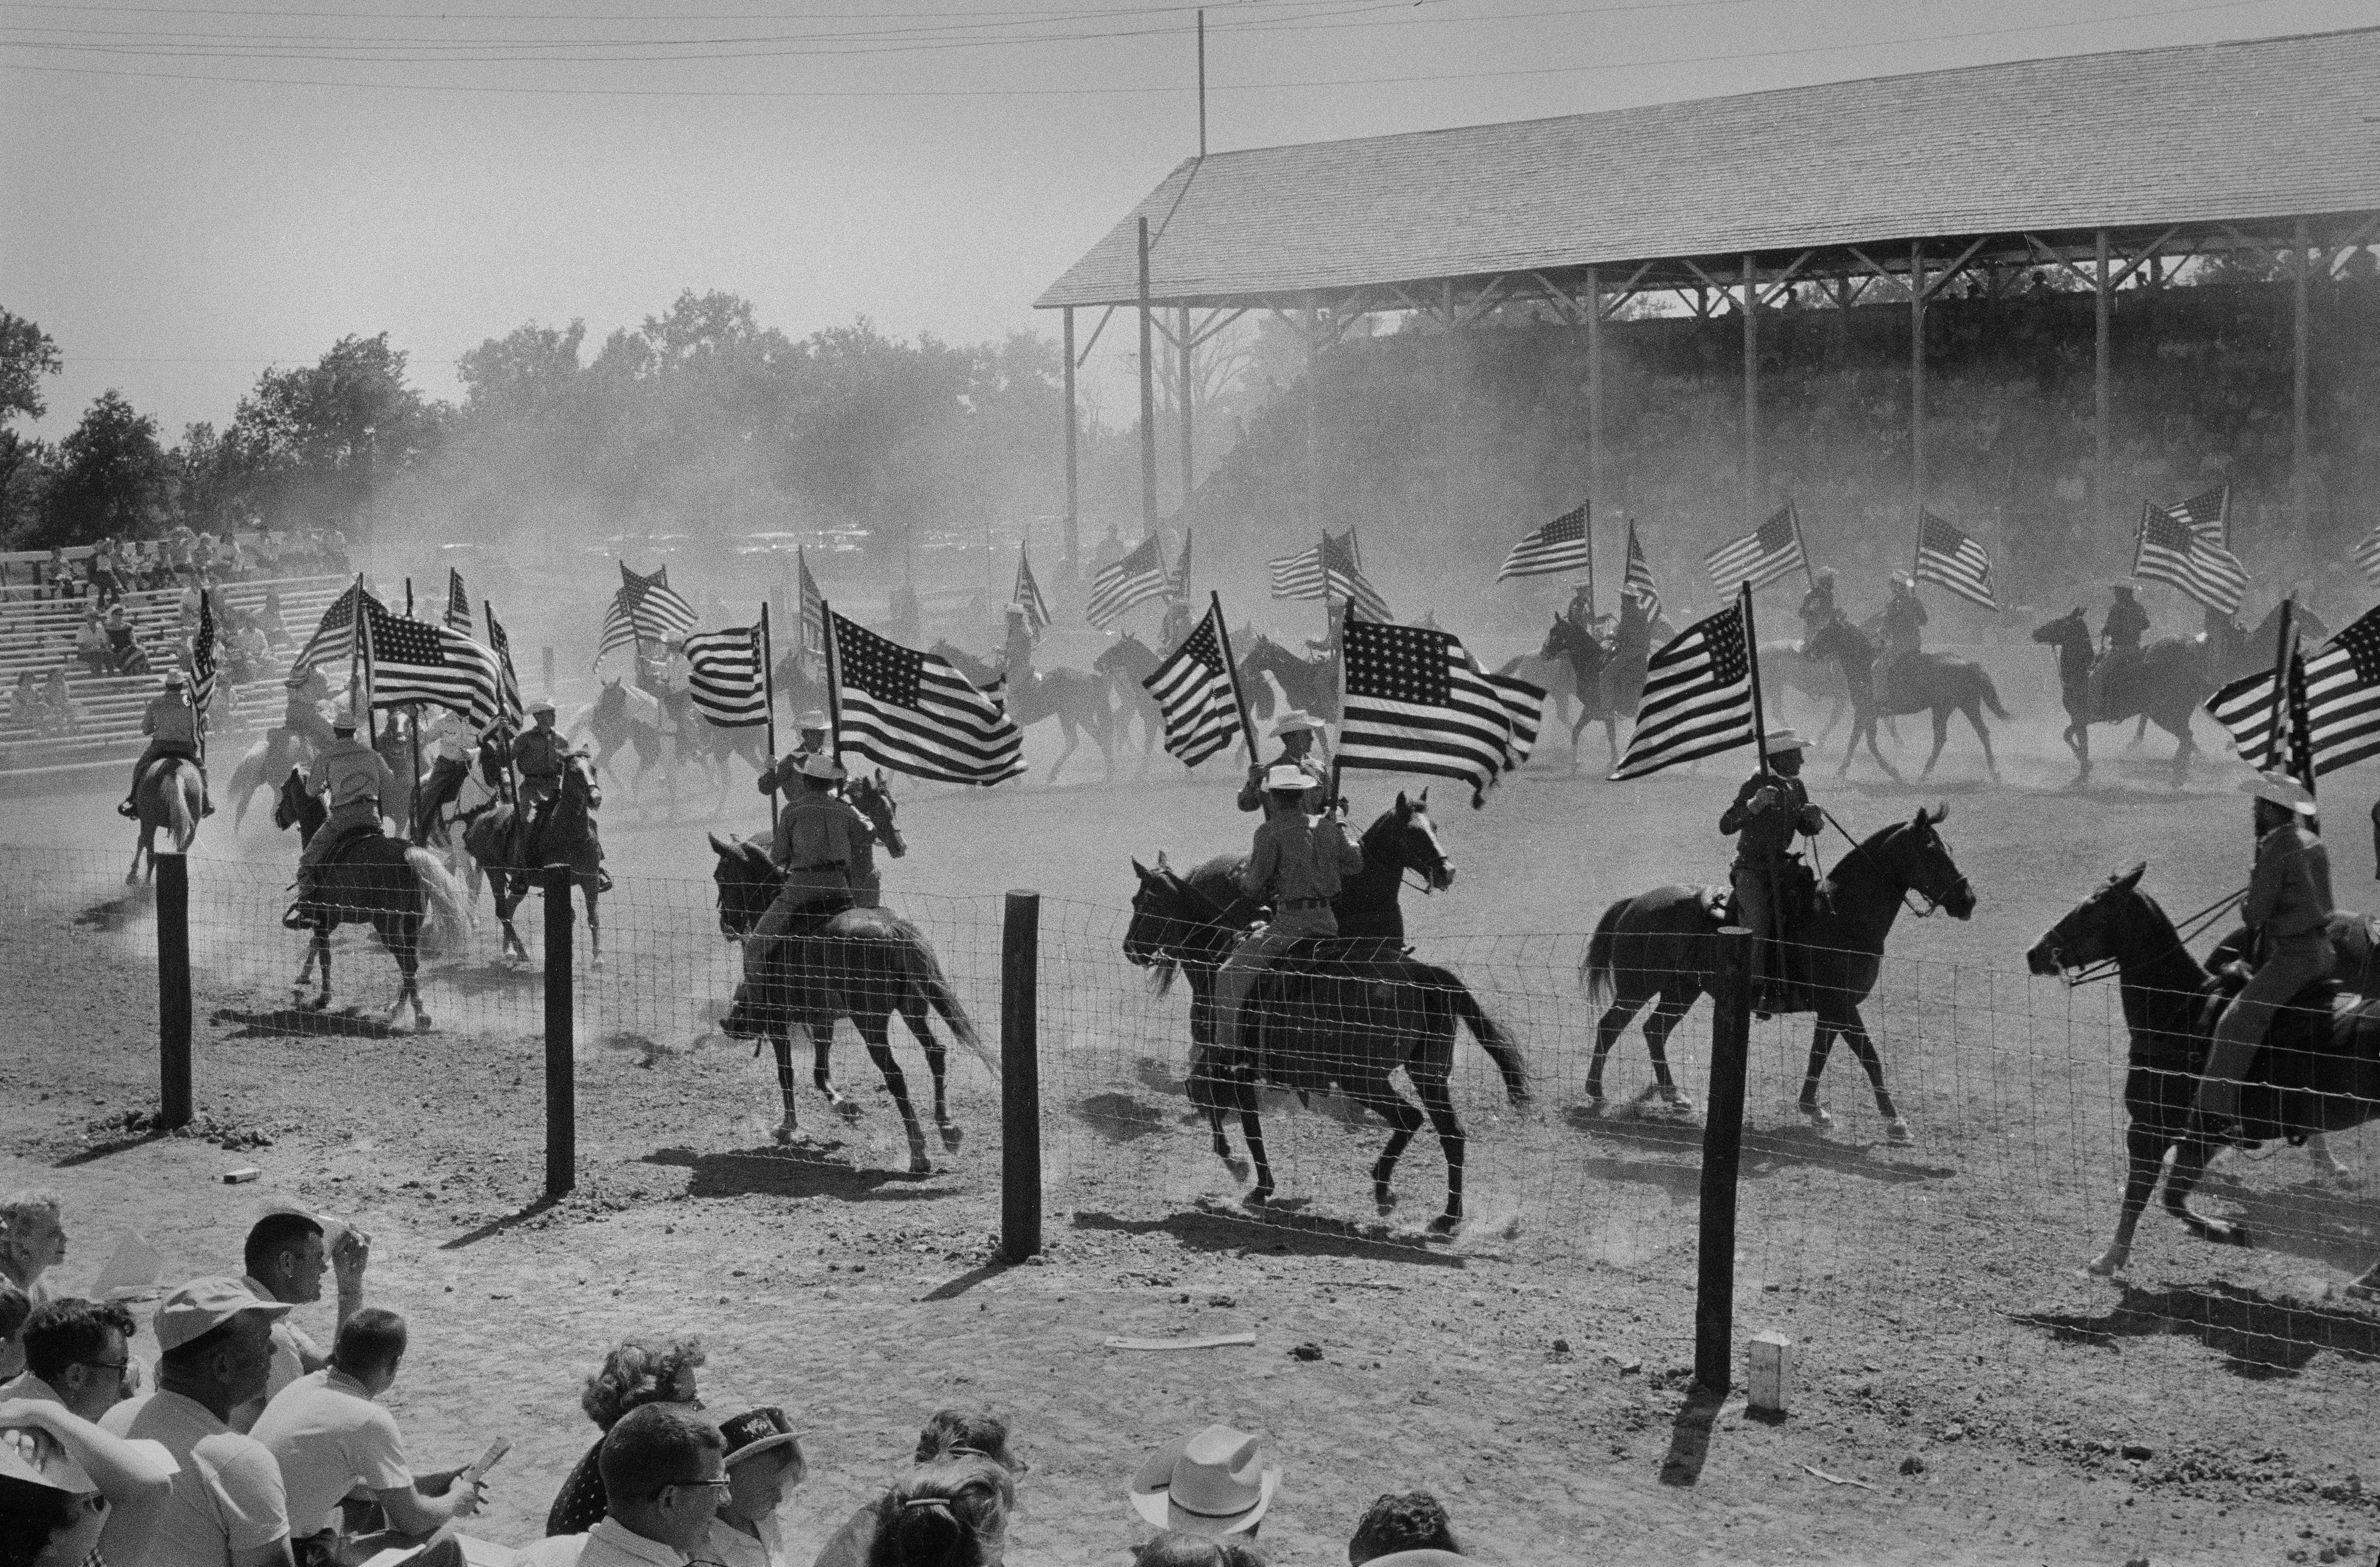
x=181 y=558
x=247 y=1444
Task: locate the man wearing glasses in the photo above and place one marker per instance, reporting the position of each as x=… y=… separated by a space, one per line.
x=664 y=1474
x=77 y=1353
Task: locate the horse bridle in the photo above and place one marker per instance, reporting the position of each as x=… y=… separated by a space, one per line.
x=1932 y=904
x=2185 y=932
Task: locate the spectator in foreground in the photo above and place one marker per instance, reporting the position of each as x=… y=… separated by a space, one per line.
x=1409 y=1529
x=77 y=1353
x=947 y=1434
x=33 y=1240
x=664 y=1471
x=637 y=1372
x=286 y=1257
x=330 y=1437
x=952 y=1513
x=764 y=1463
x=228 y=1506
x=1218 y=1481
x=1173 y=1549
x=71 y=1493
x=14 y=1309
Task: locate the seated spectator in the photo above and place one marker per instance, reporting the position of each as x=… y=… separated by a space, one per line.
x=26 y=704
x=1407 y=1530
x=269 y=622
x=285 y=1257
x=59 y=715
x=764 y=1463
x=33 y=1241
x=1218 y=1481
x=952 y=1513
x=663 y=1473
x=330 y=1437
x=1175 y=1549
x=122 y=651
x=14 y=1309
x=215 y=1345
x=71 y=1493
x=77 y=1353
x=90 y=644
x=948 y=1434
x=637 y=1372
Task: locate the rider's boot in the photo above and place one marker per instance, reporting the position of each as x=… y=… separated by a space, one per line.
x=294 y=917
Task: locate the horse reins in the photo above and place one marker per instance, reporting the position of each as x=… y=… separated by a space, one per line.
x=2185 y=932
x=1932 y=905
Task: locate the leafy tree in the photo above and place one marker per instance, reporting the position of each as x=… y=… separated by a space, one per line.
x=27 y=355
x=110 y=475
x=312 y=442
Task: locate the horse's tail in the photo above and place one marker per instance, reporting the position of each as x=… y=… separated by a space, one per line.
x=1596 y=972
x=180 y=781
x=1502 y=1049
x=926 y=970
x=1990 y=693
x=448 y=924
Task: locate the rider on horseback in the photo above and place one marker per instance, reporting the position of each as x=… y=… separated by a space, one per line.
x=351 y=777
x=779 y=774
x=1295 y=731
x=2120 y=640
x=2288 y=911
x=1818 y=603
x=539 y=756
x=822 y=846
x=1296 y=866
x=1772 y=806
x=172 y=726
x=1901 y=632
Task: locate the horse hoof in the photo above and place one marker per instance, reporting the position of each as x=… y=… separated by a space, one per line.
x=597 y=964
x=786 y=1132
x=1896 y=1132
x=1445 y=1224
x=920 y=1165
x=952 y=1135
x=1815 y=1114
x=1258 y=1197
x=422 y=1023
x=848 y=1108
x=2110 y=1263
x=1239 y=1168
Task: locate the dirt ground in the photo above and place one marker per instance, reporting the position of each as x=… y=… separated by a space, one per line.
x=1963 y=1392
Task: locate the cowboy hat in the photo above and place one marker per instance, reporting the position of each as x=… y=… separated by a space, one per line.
x=818 y=764
x=1903 y=579
x=201 y=1305
x=1285 y=777
x=175 y=680
x=1219 y=1481
x=812 y=719
x=344 y=719
x=543 y=704
x=2279 y=789
x=1293 y=721
x=756 y=1431
x=1779 y=741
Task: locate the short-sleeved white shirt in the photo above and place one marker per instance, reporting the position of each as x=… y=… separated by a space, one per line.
x=731 y=1546
x=329 y=1437
x=226 y=1497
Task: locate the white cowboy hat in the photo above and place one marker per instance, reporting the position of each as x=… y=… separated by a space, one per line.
x=1287 y=777
x=1217 y=1482
x=813 y=718
x=173 y=679
x=2280 y=789
x=818 y=764
x=543 y=704
x=1781 y=741
x=1293 y=721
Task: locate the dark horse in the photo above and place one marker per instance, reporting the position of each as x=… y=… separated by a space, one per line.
x=1659 y=944
x=1926 y=683
x=865 y=963
x=1077 y=698
x=1344 y=1016
x=377 y=880
x=564 y=835
x=2318 y=1072
x=1311 y=684
x=2165 y=685
x=1588 y=658
x=1126 y=663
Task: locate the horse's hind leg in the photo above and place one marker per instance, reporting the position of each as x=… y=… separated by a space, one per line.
x=594 y=924
x=1404 y=1122
x=1975 y=717
x=1822 y=1044
x=873 y=1031
x=1439 y=1104
x=1941 y=739
x=788 y=1124
x=322 y=1002
x=1073 y=739
x=938 y=1063
x=404 y=946
x=1666 y=1016
x=1607 y=1029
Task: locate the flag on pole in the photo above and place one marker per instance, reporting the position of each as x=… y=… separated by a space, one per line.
x=459 y=604
x=2367 y=554
x=1948 y=558
x=725 y=678
x=2208 y=515
x=511 y=717
x=1416 y=702
x=2168 y=550
x=1524 y=706
x=1027 y=596
x=202 y=656
x=1342 y=577
x=1639 y=577
x=335 y=639
x=414 y=660
x=914 y=713
x=2338 y=704
x=1769 y=553
x=646 y=607
x=1182 y=570
x=813 y=609
x=1560 y=545
x=1698 y=698
x=1137 y=577
x=1196 y=691
x=1298 y=575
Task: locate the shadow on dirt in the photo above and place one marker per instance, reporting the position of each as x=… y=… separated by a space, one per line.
x=1218 y=1228
x=498 y=1226
x=2257 y=1336
x=779 y=1173
x=115 y=914
x=2309 y=1219
x=481 y=978
x=1690 y=1437
x=951 y=1289
x=1765 y=1153
x=291 y=1022
x=1118 y=1118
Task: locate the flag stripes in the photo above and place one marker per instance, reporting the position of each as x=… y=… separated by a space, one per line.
x=202 y=656
x=1343 y=575
x=813 y=608
x=511 y=717
x=2208 y=515
x=2367 y=554
x=645 y=607
x=1195 y=690
x=1948 y=558
x=1769 y=553
x=2168 y=550
x=725 y=677
x=1027 y=596
x=1182 y=569
x=1298 y=575
x=1137 y=577
x=914 y=713
x=414 y=660
x=1415 y=702
x=1560 y=545
x=335 y=639
x=459 y=604
x=2342 y=702
x=1639 y=577
x=1698 y=698
x=1524 y=709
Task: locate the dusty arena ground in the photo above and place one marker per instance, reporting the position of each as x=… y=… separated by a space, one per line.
x=1963 y=1393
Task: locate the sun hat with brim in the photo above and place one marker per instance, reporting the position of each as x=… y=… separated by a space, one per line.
x=201 y=1305
x=174 y=679
x=818 y=764
x=1292 y=722
x=756 y=1431
x=2280 y=789
x=813 y=718
x=1779 y=741
x=343 y=722
x=30 y=1456
x=1219 y=1481
x=1291 y=780
x=539 y=706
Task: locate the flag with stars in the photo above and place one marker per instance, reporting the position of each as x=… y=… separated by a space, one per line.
x=645 y=608
x=2208 y=515
x=1639 y=578
x=412 y=660
x=1027 y=596
x=1416 y=702
x=1136 y=579
x=1698 y=698
x=1195 y=690
x=459 y=604
x=202 y=656
x=916 y=713
x=2338 y=701
x=1560 y=545
x=1769 y=553
x=2169 y=549
x=510 y=716
x=335 y=639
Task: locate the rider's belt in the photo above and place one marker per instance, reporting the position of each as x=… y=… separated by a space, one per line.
x=821 y=864
x=1305 y=903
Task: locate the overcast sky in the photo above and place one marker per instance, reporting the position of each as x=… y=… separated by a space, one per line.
x=194 y=192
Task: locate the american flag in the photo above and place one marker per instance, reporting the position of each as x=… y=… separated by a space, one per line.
x=1769 y=553
x=1639 y=579
x=2367 y=554
x=1194 y=691
x=1028 y=594
x=1950 y=559
x=2169 y=550
x=202 y=656
x=1298 y=575
x=510 y=715
x=1698 y=698
x=914 y=713
x=647 y=607
x=1560 y=545
x=412 y=661
x=2209 y=515
x=1342 y=577
x=813 y=608
x=725 y=682
x=1182 y=569
x=2340 y=701
x=335 y=639
x=459 y=604
x=1415 y=702
x=1134 y=579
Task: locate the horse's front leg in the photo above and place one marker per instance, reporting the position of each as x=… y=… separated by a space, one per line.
x=140 y=847
x=873 y=1031
x=1404 y=1122
x=1941 y=739
x=1822 y=1044
x=1073 y=739
x=821 y=1032
x=1890 y=771
x=912 y=1012
x=1244 y=1088
x=1439 y=1105
x=1975 y=717
x=788 y=1124
x=405 y=949
x=2190 y=1163
x=322 y=1001
x=2144 y=1159
x=594 y=924
x=1854 y=1032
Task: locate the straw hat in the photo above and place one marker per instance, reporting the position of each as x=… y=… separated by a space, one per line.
x=1779 y=741
x=1218 y=1482
x=2280 y=789
x=1293 y=720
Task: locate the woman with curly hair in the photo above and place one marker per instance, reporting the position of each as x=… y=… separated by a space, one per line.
x=950 y=1512
x=947 y=1435
x=637 y=1372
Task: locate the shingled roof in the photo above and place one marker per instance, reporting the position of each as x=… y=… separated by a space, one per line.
x=2235 y=132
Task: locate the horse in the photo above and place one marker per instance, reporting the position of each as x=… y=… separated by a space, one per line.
x=616 y=722
x=1659 y=944
x=1927 y=682
x=564 y=835
x=173 y=793
x=1783 y=669
x=715 y=746
x=2318 y=1073
x=1342 y=1014
x=1077 y=698
x=2165 y=685
x=450 y=794
x=1126 y=663
x=373 y=880
x=262 y=767
x=1586 y=657
x=864 y=963
x=1310 y=684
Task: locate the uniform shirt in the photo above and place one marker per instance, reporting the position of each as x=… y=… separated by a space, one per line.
x=731 y=1546
x=329 y=1437
x=172 y=719
x=1818 y=606
x=1298 y=857
x=1902 y=618
x=1252 y=793
x=227 y=1495
x=1767 y=835
x=2125 y=626
x=2290 y=894
x=350 y=773
x=539 y=753
x=608 y=1544
x=818 y=842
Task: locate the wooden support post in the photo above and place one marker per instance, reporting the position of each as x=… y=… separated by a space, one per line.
x=1020 y=1077
x=545 y=669
x=1916 y=377
x=1722 y=1158
x=2102 y=479
x=1751 y=391
x=561 y=1050
x=1313 y=414
x=2301 y=269
x=1189 y=450
x=1594 y=501
x=173 y=872
x=1074 y=469
x=1147 y=398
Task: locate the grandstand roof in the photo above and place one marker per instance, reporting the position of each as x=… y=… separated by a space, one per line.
x=2240 y=132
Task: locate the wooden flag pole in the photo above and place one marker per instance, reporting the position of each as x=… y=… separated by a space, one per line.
x=1588 y=507
x=1751 y=655
x=1809 y=572
x=769 y=706
x=1347 y=612
x=833 y=680
x=511 y=778
x=1231 y=669
x=356 y=645
x=2276 y=751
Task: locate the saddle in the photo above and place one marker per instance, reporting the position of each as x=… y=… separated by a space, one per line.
x=344 y=840
x=2324 y=1046
x=1797 y=898
x=169 y=753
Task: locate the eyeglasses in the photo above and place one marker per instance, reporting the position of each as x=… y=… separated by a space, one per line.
x=118 y=1367
x=719 y=1485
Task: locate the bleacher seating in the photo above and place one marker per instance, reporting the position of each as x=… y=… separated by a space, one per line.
x=39 y=635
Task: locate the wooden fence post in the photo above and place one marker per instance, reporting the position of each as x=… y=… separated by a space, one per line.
x=173 y=872
x=561 y=1054
x=1722 y=1157
x=1020 y=1078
